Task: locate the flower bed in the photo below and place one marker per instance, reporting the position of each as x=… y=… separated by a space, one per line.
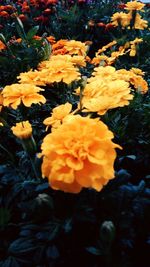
x=75 y=134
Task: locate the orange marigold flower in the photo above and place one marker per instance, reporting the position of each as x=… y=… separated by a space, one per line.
x=121 y=19
x=76 y=48
x=2 y=46
x=58 y=114
x=15 y=94
x=32 y=77
x=22 y=130
x=4 y=14
x=1 y=102
x=140 y=24
x=137 y=71
x=105 y=47
x=59 y=68
x=101 y=95
x=134 y=5
x=79 y=153
x=51 y=39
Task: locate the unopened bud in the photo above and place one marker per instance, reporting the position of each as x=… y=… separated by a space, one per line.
x=107 y=232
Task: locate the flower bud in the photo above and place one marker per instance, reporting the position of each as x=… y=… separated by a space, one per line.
x=107 y=232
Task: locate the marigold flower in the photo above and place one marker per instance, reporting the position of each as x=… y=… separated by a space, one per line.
x=1 y=102
x=134 y=77
x=121 y=19
x=75 y=48
x=78 y=61
x=137 y=71
x=2 y=46
x=140 y=24
x=22 y=130
x=105 y=47
x=101 y=95
x=134 y=5
x=15 y=94
x=58 y=114
x=79 y=154
x=59 y=68
x=51 y=39
x=32 y=77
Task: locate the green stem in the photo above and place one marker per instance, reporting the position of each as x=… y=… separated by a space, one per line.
x=10 y=155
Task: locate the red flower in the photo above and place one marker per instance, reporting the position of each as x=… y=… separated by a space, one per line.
x=22 y=17
x=109 y=26
x=121 y=6
x=4 y=14
x=47 y=11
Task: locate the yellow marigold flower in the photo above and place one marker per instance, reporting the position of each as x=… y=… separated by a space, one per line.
x=139 y=83
x=98 y=60
x=132 y=51
x=76 y=48
x=140 y=24
x=15 y=94
x=102 y=95
x=135 y=78
x=22 y=130
x=105 y=47
x=102 y=72
x=79 y=154
x=134 y=5
x=32 y=77
x=59 y=68
x=78 y=61
x=58 y=114
x=121 y=18
x=136 y=41
x=137 y=71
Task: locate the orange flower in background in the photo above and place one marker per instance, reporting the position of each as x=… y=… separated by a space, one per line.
x=58 y=114
x=22 y=130
x=15 y=94
x=51 y=39
x=1 y=102
x=4 y=14
x=78 y=154
x=2 y=45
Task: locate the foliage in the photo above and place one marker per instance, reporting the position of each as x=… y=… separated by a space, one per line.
x=43 y=227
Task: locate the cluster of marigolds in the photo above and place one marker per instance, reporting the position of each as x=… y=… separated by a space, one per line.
x=79 y=151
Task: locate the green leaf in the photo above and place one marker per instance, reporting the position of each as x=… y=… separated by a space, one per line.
x=94 y=251
x=33 y=31
x=4 y=216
